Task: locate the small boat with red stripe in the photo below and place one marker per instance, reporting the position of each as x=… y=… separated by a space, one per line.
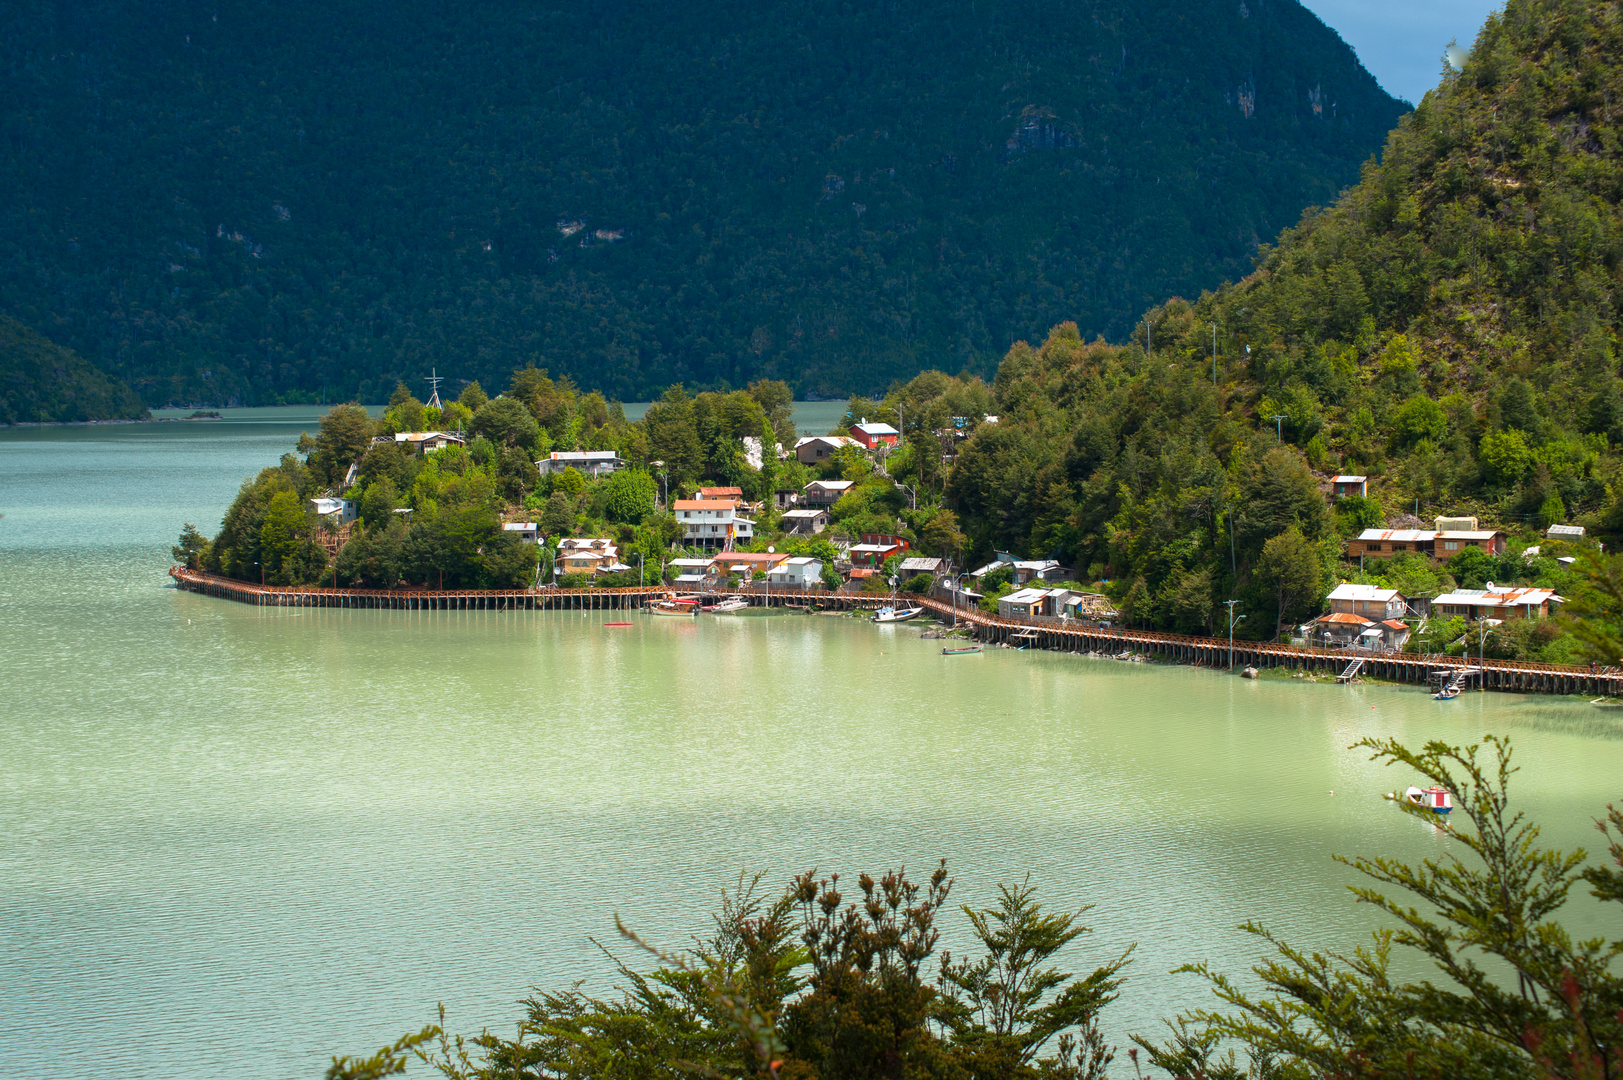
x=1433 y=799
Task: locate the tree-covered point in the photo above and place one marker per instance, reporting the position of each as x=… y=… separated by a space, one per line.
x=435 y=518
x=829 y=982
x=1130 y=468
x=42 y=383
x=308 y=201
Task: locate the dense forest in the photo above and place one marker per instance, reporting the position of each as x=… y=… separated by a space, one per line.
x=239 y=204
x=43 y=383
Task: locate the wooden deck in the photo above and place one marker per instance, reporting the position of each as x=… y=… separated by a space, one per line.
x=1037 y=633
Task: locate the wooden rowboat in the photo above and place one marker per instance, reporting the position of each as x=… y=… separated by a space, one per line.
x=961 y=650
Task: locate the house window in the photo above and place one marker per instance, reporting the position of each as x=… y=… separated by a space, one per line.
x=1451 y=545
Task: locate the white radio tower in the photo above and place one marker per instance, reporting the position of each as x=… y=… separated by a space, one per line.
x=434 y=381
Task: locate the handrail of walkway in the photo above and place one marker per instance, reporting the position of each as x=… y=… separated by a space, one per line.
x=974 y=616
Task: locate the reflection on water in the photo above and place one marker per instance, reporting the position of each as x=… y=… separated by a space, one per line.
x=245 y=838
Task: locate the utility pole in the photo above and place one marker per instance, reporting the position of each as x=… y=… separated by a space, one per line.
x=1232 y=620
x=1279 y=426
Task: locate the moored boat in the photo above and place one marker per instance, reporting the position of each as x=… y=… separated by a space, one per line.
x=895 y=614
x=960 y=650
x=672 y=605
x=1447 y=693
x=1433 y=799
x=732 y=603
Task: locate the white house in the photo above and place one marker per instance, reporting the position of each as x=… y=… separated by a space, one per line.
x=585 y=462
x=712 y=523
x=1368 y=601
x=340 y=511
x=1565 y=532
x=799 y=572
x=528 y=531
x=425 y=442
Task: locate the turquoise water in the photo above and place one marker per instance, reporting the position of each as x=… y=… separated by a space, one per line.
x=234 y=841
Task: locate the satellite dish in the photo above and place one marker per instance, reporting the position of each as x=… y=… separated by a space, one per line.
x=771 y=550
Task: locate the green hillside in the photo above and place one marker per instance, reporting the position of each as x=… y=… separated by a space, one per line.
x=1451 y=325
x=45 y=383
x=252 y=204
x=1448 y=328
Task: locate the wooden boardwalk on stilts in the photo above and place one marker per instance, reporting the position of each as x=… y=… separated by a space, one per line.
x=1054 y=634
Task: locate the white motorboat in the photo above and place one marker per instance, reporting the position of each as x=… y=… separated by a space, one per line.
x=729 y=605
x=895 y=614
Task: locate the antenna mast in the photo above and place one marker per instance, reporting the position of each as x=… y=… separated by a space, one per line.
x=433 y=382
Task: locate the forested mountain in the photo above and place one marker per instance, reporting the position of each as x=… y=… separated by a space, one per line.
x=42 y=383
x=1448 y=328
x=252 y=203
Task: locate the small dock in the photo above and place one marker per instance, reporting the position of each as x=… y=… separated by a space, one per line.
x=1062 y=635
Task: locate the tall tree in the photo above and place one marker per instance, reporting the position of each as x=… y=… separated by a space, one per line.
x=1291 y=570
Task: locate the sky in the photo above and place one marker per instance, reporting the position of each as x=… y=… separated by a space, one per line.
x=1401 y=41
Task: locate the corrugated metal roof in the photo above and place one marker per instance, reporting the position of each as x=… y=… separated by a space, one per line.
x=1348 y=591
x=1406 y=535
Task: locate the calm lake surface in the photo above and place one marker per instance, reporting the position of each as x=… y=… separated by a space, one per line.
x=234 y=841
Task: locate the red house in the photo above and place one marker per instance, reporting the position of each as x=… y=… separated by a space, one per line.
x=886 y=539
x=872 y=435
